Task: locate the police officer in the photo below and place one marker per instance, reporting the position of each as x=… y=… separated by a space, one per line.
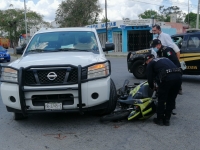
x=164 y=51
x=165 y=39
x=168 y=52
x=168 y=78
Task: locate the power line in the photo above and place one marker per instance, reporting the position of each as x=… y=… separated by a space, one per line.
x=180 y=2
x=162 y=4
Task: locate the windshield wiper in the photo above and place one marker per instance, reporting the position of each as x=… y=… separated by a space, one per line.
x=38 y=50
x=72 y=49
x=65 y=49
x=83 y=50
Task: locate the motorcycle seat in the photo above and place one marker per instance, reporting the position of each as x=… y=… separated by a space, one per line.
x=143 y=92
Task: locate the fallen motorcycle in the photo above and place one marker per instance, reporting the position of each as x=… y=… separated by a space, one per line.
x=136 y=101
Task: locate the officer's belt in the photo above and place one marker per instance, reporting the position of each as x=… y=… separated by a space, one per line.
x=163 y=73
x=174 y=70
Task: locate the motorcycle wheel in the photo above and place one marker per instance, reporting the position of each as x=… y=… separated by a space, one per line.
x=116 y=115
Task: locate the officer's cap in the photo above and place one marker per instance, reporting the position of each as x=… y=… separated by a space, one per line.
x=155 y=42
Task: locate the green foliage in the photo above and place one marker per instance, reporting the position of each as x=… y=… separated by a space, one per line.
x=76 y=13
x=192 y=19
x=12 y=21
x=164 y=14
x=104 y=20
x=148 y=14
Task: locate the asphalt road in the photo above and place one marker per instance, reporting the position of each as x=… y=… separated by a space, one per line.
x=85 y=132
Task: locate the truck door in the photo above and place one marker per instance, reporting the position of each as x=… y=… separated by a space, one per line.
x=191 y=53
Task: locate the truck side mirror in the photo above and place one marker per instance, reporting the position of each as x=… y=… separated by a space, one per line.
x=109 y=47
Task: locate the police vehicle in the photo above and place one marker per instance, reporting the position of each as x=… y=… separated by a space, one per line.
x=189 y=44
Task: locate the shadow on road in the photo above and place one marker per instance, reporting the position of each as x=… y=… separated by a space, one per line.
x=191 y=78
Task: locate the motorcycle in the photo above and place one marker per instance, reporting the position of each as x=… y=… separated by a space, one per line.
x=136 y=101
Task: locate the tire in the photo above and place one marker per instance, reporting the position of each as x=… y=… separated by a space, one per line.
x=18 y=116
x=117 y=115
x=112 y=100
x=8 y=60
x=139 y=70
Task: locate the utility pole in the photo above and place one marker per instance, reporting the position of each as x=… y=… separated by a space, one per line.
x=152 y=17
x=188 y=15
x=106 y=20
x=197 y=25
x=25 y=18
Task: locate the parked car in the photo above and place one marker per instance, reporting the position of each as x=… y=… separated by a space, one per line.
x=189 y=44
x=61 y=70
x=20 y=49
x=4 y=55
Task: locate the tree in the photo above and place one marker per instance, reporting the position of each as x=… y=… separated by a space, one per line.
x=148 y=14
x=12 y=21
x=77 y=13
x=104 y=20
x=192 y=19
x=166 y=12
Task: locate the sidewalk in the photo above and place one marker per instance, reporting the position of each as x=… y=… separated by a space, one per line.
x=116 y=54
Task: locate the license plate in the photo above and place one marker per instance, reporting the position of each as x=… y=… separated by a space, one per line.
x=2 y=58
x=53 y=106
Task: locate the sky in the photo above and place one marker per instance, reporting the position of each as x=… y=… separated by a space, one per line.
x=116 y=9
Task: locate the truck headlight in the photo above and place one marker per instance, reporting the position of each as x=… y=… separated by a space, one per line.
x=9 y=74
x=98 y=70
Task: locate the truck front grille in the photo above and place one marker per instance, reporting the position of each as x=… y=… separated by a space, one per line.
x=44 y=77
x=29 y=78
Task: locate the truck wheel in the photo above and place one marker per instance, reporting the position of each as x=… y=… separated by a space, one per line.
x=139 y=70
x=18 y=116
x=112 y=100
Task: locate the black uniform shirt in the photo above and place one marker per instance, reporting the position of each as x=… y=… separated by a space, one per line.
x=155 y=66
x=169 y=53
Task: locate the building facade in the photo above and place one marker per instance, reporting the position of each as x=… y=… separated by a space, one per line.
x=132 y=35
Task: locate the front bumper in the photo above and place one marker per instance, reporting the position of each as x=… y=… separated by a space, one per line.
x=7 y=57
x=80 y=95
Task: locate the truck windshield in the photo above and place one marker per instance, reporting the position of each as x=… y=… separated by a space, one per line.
x=63 y=41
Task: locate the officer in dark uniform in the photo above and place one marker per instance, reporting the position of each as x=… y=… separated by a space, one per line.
x=164 y=51
x=168 y=78
x=168 y=52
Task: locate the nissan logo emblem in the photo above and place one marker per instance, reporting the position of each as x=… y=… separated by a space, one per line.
x=52 y=76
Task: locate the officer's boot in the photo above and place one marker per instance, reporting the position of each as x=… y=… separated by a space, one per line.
x=159 y=120
x=167 y=119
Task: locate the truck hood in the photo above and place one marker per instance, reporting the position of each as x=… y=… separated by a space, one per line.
x=58 y=58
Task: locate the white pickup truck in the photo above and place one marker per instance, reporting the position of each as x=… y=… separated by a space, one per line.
x=61 y=70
